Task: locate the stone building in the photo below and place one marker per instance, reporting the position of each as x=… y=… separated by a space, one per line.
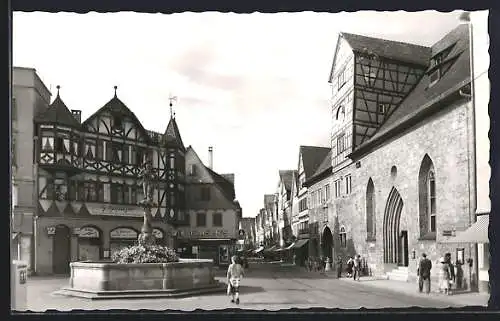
x=402 y=148
x=29 y=96
x=88 y=189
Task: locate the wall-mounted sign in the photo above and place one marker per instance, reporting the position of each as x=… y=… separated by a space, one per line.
x=158 y=233
x=123 y=233
x=51 y=230
x=88 y=232
x=200 y=234
x=114 y=210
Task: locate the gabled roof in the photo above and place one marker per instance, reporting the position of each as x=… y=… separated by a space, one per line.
x=226 y=186
x=424 y=97
x=286 y=176
x=400 y=51
x=172 y=136
x=58 y=113
x=324 y=167
x=312 y=156
x=116 y=106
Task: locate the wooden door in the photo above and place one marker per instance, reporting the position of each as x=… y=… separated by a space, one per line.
x=61 y=251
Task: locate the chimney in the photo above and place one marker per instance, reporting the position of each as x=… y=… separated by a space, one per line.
x=77 y=114
x=210 y=157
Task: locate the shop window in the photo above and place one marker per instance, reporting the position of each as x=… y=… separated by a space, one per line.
x=217 y=219
x=201 y=219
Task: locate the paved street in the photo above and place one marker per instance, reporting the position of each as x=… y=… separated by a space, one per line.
x=266 y=287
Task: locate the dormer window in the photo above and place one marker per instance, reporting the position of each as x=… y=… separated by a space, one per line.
x=382 y=109
x=434 y=77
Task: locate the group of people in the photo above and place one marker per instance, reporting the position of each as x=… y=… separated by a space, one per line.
x=446 y=274
x=353 y=269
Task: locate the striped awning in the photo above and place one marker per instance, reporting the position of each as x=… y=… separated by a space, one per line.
x=476 y=233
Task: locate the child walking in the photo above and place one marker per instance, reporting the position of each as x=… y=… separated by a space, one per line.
x=234 y=274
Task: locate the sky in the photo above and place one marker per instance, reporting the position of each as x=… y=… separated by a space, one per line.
x=253 y=86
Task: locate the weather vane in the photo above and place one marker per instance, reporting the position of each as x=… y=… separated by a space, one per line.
x=172 y=99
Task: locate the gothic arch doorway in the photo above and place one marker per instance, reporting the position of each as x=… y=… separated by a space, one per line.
x=395 y=241
x=61 y=250
x=327 y=243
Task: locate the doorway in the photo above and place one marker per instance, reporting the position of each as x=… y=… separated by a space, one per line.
x=327 y=243
x=61 y=250
x=403 y=248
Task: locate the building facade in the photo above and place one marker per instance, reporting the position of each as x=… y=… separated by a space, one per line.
x=412 y=103
x=29 y=97
x=89 y=186
x=247 y=224
x=212 y=216
x=310 y=158
x=271 y=209
x=284 y=210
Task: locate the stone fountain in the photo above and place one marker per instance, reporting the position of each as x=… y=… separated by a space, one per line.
x=107 y=280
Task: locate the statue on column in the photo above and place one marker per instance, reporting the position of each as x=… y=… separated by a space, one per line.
x=147 y=175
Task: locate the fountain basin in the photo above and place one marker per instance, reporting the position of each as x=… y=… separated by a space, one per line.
x=105 y=280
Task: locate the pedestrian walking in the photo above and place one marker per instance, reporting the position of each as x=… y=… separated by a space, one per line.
x=234 y=275
x=339 y=267
x=357 y=267
x=444 y=276
x=424 y=274
x=451 y=269
x=350 y=265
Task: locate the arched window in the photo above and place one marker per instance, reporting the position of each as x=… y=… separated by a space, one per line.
x=427 y=199
x=370 y=211
x=340 y=113
x=431 y=198
x=343 y=237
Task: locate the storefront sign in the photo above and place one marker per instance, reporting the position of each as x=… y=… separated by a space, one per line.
x=88 y=232
x=114 y=210
x=123 y=233
x=51 y=230
x=158 y=233
x=204 y=234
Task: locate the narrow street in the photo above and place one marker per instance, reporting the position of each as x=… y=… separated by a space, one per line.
x=264 y=287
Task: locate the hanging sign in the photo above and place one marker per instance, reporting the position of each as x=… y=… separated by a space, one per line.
x=123 y=233
x=158 y=233
x=241 y=234
x=88 y=232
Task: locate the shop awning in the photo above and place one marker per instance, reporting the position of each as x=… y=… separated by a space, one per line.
x=476 y=233
x=260 y=249
x=290 y=246
x=300 y=243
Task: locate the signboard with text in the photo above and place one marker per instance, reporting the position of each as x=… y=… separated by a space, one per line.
x=204 y=234
x=123 y=233
x=114 y=210
x=87 y=232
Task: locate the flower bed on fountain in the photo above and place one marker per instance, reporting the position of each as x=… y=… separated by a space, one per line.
x=142 y=271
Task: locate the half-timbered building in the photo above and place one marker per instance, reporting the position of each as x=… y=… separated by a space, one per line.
x=402 y=146
x=88 y=184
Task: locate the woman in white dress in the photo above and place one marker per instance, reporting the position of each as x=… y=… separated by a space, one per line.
x=444 y=276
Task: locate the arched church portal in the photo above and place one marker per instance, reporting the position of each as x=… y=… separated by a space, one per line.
x=395 y=240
